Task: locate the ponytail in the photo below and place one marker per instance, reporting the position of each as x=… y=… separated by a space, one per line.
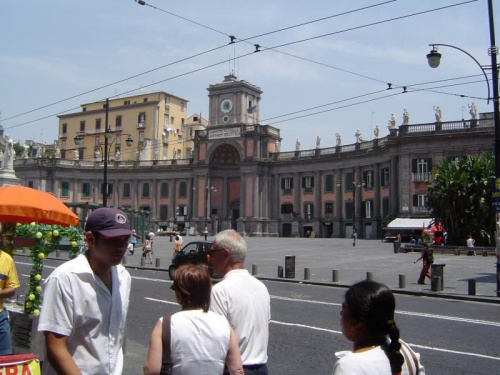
x=392 y=350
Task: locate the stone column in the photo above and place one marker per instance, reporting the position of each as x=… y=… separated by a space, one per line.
x=393 y=186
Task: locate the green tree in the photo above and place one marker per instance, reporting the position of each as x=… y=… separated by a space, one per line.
x=460 y=198
x=18 y=149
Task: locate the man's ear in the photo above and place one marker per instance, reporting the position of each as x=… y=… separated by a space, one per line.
x=89 y=238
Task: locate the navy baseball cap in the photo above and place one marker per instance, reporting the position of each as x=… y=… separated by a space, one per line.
x=109 y=222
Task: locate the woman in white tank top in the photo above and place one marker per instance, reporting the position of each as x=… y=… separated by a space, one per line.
x=201 y=342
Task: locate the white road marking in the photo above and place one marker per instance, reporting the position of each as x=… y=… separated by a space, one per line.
x=411 y=313
x=161 y=301
x=412 y=345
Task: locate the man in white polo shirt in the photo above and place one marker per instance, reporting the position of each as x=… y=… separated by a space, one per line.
x=242 y=299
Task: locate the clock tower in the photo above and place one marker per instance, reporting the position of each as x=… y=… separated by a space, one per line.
x=233 y=102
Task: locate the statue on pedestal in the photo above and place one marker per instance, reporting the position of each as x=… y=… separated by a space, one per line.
x=297 y=145
x=376 y=131
x=472 y=111
x=318 y=141
x=392 y=122
x=358 y=136
x=339 y=139
x=406 y=117
x=437 y=113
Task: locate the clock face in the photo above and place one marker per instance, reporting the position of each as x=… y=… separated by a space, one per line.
x=226 y=105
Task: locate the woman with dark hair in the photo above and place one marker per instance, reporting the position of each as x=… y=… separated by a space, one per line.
x=367 y=319
x=201 y=342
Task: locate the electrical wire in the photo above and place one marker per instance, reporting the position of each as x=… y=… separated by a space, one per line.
x=222 y=46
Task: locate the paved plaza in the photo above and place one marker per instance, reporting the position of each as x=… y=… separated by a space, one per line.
x=323 y=255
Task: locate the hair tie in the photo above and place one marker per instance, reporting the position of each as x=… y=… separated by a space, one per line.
x=391 y=322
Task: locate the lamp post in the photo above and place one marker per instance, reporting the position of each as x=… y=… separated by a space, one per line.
x=434 y=58
x=208 y=190
x=108 y=134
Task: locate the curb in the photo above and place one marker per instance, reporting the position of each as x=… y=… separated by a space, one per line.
x=430 y=294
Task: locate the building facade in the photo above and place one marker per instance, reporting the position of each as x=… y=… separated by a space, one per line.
x=236 y=176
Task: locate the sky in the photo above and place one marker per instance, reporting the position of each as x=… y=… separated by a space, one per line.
x=335 y=56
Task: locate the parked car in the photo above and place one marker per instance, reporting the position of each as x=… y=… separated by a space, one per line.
x=194 y=252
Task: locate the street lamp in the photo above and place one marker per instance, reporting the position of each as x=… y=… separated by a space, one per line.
x=208 y=189
x=434 y=58
x=108 y=134
x=354 y=187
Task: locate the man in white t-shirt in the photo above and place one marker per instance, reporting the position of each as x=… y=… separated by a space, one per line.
x=242 y=299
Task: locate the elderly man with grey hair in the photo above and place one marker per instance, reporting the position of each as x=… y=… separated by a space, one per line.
x=242 y=299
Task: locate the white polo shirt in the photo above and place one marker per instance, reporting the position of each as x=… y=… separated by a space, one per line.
x=77 y=304
x=245 y=302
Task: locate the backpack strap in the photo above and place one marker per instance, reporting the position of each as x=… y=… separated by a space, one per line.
x=166 y=360
x=405 y=349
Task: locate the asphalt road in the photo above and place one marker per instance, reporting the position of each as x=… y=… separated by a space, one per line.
x=452 y=336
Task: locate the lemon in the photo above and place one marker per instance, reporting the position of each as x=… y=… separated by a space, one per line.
x=36 y=312
x=41 y=256
x=39 y=235
x=38 y=277
x=38 y=289
x=74 y=244
x=31 y=297
x=55 y=232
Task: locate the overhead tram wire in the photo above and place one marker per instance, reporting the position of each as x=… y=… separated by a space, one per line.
x=233 y=40
x=357 y=103
x=186 y=58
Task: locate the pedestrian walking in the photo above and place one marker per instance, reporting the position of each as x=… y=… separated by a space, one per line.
x=242 y=299
x=470 y=245
x=177 y=244
x=147 y=249
x=85 y=302
x=367 y=320
x=427 y=259
x=354 y=237
x=201 y=341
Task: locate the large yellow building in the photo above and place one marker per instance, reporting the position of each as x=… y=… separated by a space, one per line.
x=154 y=122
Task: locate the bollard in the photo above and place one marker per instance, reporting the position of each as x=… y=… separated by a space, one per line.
x=402 y=281
x=143 y=261
x=280 y=271
x=24 y=251
x=436 y=284
x=171 y=238
x=369 y=276
x=255 y=269
x=157 y=262
x=335 y=276
x=58 y=253
x=124 y=260
x=307 y=273
x=472 y=287
x=290 y=266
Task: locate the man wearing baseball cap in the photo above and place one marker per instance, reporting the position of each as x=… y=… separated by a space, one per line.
x=85 y=301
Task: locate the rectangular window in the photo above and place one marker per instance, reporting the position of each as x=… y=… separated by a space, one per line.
x=126 y=102
x=182 y=189
x=286 y=208
x=110 y=189
x=329 y=183
x=31 y=184
x=63 y=145
x=420 y=200
x=98 y=124
x=64 y=189
x=126 y=190
x=145 y=190
x=349 y=209
x=141 y=119
x=64 y=128
x=384 y=177
x=385 y=207
x=182 y=122
x=421 y=169
x=329 y=208
x=182 y=106
x=349 y=178
x=82 y=126
x=287 y=185
x=118 y=122
x=141 y=136
x=308 y=183
x=86 y=190
x=164 y=190
x=181 y=210
x=163 y=212
x=145 y=100
x=308 y=211
x=367 y=209
x=368 y=179
x=172 y=120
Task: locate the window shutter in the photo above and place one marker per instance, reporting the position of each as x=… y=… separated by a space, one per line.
x=414 y=165
x=312 y=211
x=363 y=210
x=303 y=182
x=291 y=183
x=312 y=181
x=282 y=183
x=429 y=164
x=329 y=183
x=415 y=200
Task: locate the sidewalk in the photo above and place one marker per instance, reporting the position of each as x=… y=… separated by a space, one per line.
x=323 y=255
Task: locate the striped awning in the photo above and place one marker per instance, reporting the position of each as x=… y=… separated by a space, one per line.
x=408 y=224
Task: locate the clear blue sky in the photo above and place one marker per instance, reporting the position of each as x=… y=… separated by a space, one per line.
x=52 y=50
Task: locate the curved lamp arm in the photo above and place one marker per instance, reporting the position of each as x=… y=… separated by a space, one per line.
x=433 y=59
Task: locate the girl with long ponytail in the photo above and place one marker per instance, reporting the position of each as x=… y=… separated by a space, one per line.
x=367 y=319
